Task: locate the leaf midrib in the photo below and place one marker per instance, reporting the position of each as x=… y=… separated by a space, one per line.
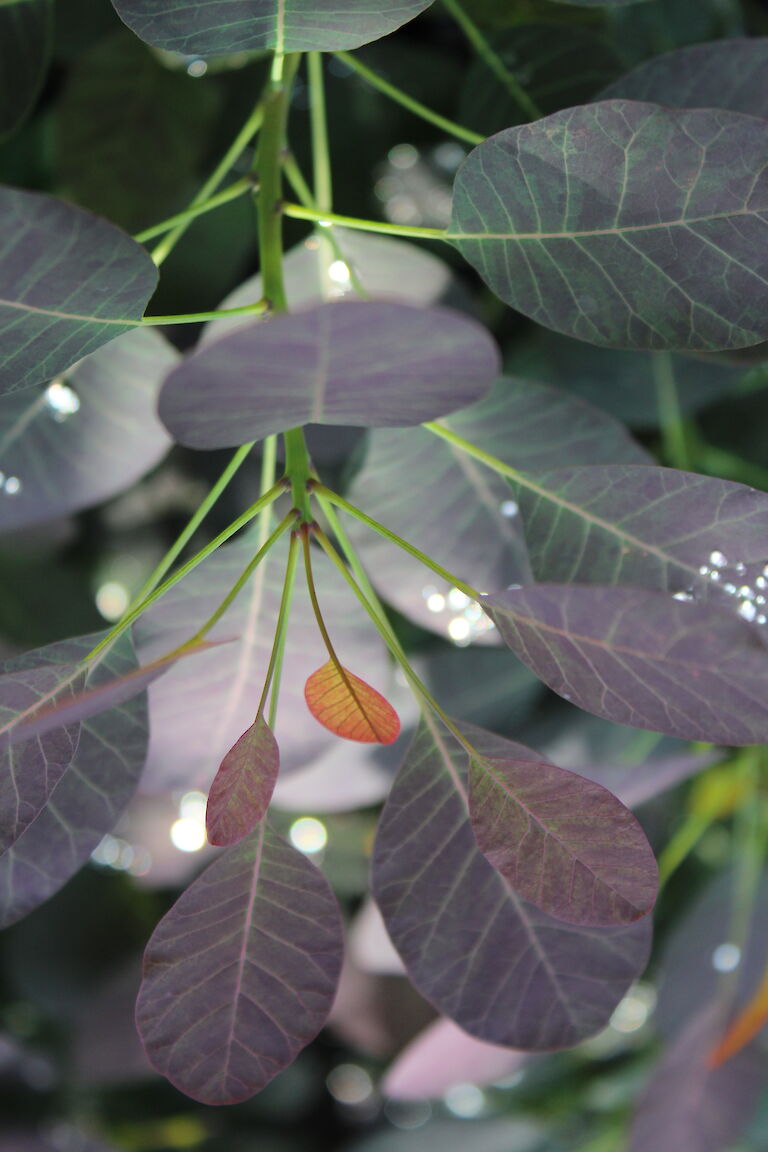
x=577 y=234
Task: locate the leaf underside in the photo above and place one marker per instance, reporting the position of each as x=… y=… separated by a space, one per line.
x=346 y=705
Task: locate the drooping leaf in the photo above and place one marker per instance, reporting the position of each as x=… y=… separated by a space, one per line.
x=730 y=74
x=557 y=66
x=89 y=797
x=442 y=1057
x=655 y=527
x=457 y=510
x=221 y=26
x=689 y=1105
x=197 y=715
x=504 y=971
x=564 y=843
x=743 y=1029
x=664 y=250
x=240 y=975
x=364 y=363
x=107 y=160
x=694 y=670
x=86 y=436
x=348 y=707
x=25 y=47
x=243 y=786
x=313 y=273
x=69 y=282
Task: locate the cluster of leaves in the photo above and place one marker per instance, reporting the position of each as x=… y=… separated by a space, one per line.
x=517 y=893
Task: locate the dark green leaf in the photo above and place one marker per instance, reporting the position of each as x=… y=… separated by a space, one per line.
x=25 y=46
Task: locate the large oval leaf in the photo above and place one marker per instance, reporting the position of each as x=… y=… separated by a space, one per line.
x=730 y=74
x=242 y=788
x=220 y=26
x=89 y=795
x=69 y=282
x=457 y=510
x=504 y=971
x=666 y=249
x=563 y=842
x=241 y=974
x=366 y=364
x=85 y=436
x=197 y=715
x=642 y=658
x=25 y=46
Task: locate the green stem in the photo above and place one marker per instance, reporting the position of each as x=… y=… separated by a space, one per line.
x=275 y=666
x=266 y=481
x=133 y=613
x=296 y=180
x=241 y=581
x=316 y=604
x=325 y=219
x=350 y=554
x=245 y=184
x=298 y=471
x=256 y=309
x=230 y=157
x=406 y=101
x=438 y=569
x=320 y=148
x=493 y=60
x=749 y=846
x=670 y=416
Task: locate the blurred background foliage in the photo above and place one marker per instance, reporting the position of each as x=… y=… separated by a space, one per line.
x=130 y=133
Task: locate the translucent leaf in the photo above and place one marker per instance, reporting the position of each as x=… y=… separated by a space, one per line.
x=241 y=973
x=346 y=705
x=243 y=786
x=666 y=251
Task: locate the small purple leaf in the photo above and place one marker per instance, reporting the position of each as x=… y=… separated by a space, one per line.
x=642 y=658
x=564 y=843
x=366 y=364
x=504 y=971
x=689 y=1106
x=243 y=786
x=241 y=974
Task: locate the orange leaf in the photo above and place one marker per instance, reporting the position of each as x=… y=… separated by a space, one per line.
x=243 y=786
x=744 y=1028
x=350 y=707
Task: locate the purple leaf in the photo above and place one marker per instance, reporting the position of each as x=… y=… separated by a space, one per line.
x=689 y=670
x=198 y=713
x=87 y=436
x=443 y=1056
x=368 y=364
x=663 y=249
x=504 y=971
x=656 y=527
x=242 y=788
x=241 y=974
x=688 y=1105
x=89 y=796
x=253 y=25
x=69 y=282
x=459 y=511
x=730 y=74
x=564 y=843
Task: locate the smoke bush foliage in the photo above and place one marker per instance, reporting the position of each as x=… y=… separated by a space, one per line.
x=600 y=265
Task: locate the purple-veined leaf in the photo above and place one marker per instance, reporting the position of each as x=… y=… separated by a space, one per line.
x=364 y=363
x=664 y=249
x=688 y=1105
x=730 y=74
x=460 y=512
x=649 y=526
x=241 y=974
x=444 y=1056
x=197 y=715
x=25 y=47
x=564 y=843
x=69 y=282
x=642 y=658
x=89 y=796
x=242 y=788
x=88 y=434
x=321 y=269
x=504 y=971
x=224 y=26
